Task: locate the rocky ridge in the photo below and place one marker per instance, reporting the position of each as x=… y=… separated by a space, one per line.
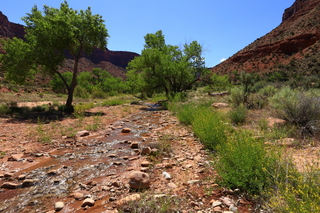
x=297 y=39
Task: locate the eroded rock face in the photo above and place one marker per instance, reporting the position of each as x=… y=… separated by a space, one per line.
x=296 y=37
x=9 y=29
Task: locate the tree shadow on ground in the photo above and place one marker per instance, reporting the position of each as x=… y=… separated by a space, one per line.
x=25 y=115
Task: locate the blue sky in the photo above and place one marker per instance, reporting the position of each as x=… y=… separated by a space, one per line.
x=222 y=27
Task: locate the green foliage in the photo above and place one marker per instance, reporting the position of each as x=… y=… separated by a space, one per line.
x=219 y=82
x=210 y=127
x=244 y=163
x=57 y=84
x=152 y=204
x=81 y=92
x=298 y=108
x=165 y=68
x=237 y=96
x=49 y=34
x=238 y=114
x=81 y=108
x=4 y=109
x=301 y=194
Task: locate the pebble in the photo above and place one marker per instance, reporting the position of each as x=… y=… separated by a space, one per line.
x=139 y=180
x=88 y=202
x=166 y=175
x=126 y=130
x=58 y=206
x=134 y=145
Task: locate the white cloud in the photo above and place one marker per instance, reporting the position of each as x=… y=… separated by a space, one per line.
x=222 y=60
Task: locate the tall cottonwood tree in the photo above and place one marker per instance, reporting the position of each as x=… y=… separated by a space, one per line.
x=52 y=34
x=167 y=68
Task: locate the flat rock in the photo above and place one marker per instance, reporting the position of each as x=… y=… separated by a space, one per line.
x=77 y=195
x=126 y=130
x=220 y=105
x=9 y=185
x=83 y=133
x=16 y=157
x=139 y=180
x=29 y=182
x=145 y=163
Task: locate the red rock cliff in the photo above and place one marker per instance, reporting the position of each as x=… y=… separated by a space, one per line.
x=295 y=38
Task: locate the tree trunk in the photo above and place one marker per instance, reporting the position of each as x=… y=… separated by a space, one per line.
x=69 y=106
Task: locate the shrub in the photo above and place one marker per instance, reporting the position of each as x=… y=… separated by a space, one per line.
x=210 y=127
x=113 y=102
x=256 y=101
x=298 y=108
x=4 y=109
x=244 y=163
x=81 y=92
x=238 y=115
x=296 y=192
x=186 y=114
x=268 y=91
x=237 y=96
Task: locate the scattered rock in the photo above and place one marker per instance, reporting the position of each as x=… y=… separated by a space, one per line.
x=8 y=175
x=52 y=172
x=216 y=203
x=227 y=201
x=220 y=105
x=274 y=122
x=190 y=182
x=172 y=185
x=145 y=163
x=126 y=130
x=130 y=198
x=134 y=145
x=83 y=133
x=166 y=175
x=29 y=182
x=77 y=195
x=9 y=185
x=139 y=180
x=16 y=157
x=145 y=151
x=88 y=202
x=21 y=177
x=59 y=206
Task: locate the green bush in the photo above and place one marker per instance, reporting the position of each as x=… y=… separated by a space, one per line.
x=299 y=108
x=210 y=127
x=268 y=91
x=238 y=115
x=113 y=102
x=4 y=109
x=256 y=101
x=237 y=96
x=81 y=92
x=244 y=164
x=185 y=113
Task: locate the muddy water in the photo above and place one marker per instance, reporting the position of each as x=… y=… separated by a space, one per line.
x=69 y=169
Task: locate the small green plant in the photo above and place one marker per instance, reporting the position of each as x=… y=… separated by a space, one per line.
x=4 y=109
x=96 y=124
x=43 y=135
x=238 y=115
x=113 y=102
x=152 y=204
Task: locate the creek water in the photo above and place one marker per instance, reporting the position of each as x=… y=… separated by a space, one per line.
x=70 y=168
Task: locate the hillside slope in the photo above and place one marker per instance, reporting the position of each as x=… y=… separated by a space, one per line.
x=293 y=46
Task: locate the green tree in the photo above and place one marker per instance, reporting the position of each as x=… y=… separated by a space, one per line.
x=167 y=68
x=50 y=35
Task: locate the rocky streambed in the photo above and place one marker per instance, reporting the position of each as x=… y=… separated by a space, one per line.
x=144 y=153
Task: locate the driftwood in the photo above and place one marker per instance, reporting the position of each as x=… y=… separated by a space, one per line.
x=218 y=94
